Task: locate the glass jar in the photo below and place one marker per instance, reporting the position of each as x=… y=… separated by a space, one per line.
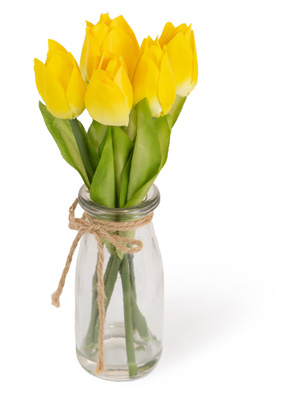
x=134 y=298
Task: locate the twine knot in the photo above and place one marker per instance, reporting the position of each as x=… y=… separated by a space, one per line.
x=110 y=232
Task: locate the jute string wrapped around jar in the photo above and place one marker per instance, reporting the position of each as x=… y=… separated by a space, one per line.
x=101 y=229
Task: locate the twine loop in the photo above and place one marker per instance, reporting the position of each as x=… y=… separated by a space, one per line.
x=108 y=231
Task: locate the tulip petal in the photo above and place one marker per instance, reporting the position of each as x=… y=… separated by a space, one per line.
x=145 y=84
x=91 y=51
x=53 y=47
x=105 y=19
x=84 y=57
x=106 y=103
x=40 y=77
x=122 y=80
x=167 y=34
x=181 y=59
x=75 y=92
x=195 y=62
x=166 y=85
x=98 y=34
x=60 y=66
x=183 y=29
x=120 y=44
x=156 y=54
x=55 y=97
x=121 y=23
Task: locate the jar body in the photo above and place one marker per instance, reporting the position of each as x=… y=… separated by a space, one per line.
x=133 y=304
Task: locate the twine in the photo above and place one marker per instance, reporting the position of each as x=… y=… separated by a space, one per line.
x=100 y=229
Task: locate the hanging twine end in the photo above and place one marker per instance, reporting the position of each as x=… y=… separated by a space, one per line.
x=55 y=300
x=100 y=367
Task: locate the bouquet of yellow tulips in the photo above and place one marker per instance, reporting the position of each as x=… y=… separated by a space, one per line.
x=134 y=95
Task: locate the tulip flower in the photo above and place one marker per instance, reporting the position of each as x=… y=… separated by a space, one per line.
x=59 y=82
x=109 y=95
x=154 y=78
x=182 y=54
x=108 y=36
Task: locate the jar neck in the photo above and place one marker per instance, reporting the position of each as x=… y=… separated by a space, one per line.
x=96 y=210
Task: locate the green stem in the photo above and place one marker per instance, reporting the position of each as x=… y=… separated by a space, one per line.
x=94 y=312
x=132 y=273
x=129 y=337
x=109 y=285
x=108 y=268
x=139 y=320
x=83 y=147
x=111 y=280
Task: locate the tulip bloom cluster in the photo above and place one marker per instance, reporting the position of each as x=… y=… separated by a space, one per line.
x=134 y=96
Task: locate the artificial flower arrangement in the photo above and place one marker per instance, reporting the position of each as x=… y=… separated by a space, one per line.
x=134 y=96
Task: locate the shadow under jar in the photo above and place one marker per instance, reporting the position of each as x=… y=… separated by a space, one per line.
x=134 y=296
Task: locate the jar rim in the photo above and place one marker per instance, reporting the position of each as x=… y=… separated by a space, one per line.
x=146 y=207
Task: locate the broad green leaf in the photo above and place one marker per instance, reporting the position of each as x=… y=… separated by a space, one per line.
x=125 y=181
x=63 y=135
x=102 y=189
x=80 y=137
x=177 y=108
x=163 y=131
x=138 y=197
x=131 y=129
x=95 y=136
x=102 y=145
x=94 y=156
x=122 y=147
x=146 y=155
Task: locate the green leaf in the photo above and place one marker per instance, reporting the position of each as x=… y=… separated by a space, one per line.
x=95 y=137
x=177 y=108
x=131 y=129
x=63 y=135
x=163 y=131
x=80 y=137
x=138 y=197
x=146 y=155
x=96 y=134
x=122 y=148
x=125 y=181
x=102 y=189
x=93 y=155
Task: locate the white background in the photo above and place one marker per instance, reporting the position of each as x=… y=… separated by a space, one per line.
x=231 y=223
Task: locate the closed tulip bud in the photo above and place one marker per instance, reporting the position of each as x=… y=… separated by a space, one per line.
x=154 y=78
x=59 y=82
x=182 y=54
x=108 y=36
x=109 y=95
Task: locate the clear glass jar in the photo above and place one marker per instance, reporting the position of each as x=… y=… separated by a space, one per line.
x=134 y=297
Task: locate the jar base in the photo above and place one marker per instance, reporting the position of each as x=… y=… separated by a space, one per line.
x=147 y=355
x=112 y=374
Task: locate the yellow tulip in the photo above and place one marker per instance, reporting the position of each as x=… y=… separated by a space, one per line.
x=182 y=54
x=108 y=36
x=154 y=78
x=59 y=82
x=109 y=95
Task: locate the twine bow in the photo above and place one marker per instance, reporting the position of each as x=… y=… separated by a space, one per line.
x=100 y=229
